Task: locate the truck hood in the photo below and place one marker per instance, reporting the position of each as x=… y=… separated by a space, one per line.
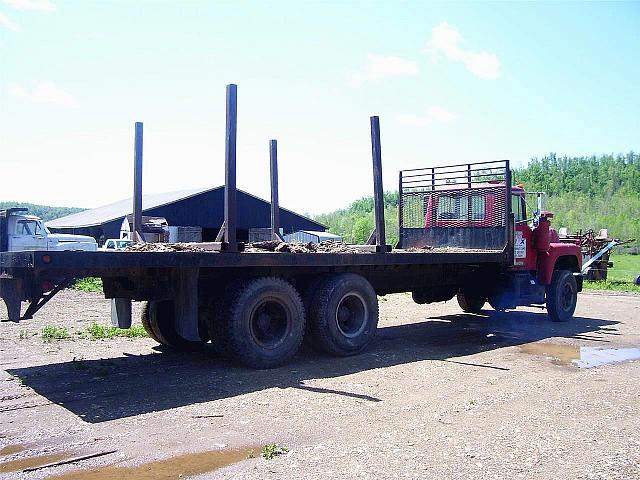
x=63 y=238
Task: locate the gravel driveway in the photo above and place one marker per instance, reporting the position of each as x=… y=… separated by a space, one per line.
x=440 y=395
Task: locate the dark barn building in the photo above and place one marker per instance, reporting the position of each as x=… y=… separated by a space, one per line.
x=193 y=208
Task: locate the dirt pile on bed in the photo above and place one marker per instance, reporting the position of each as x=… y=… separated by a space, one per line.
x=165 y=247
x=298 y=247
x=255 y=247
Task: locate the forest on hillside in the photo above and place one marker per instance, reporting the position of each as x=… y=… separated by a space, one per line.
x=43 y=211
x=583 y=192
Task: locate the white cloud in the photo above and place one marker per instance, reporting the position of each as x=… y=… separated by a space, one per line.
x=8 y=24
x=381 y=66
x=446 y=40
x=42 y=92
x=45 y=6
x=432 y=115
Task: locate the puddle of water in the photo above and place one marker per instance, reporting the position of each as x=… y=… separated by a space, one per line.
x=22 y=463
x=564 y=354
x=11 y=449
x=596 y=357
x=582 y=357
x=168 y=469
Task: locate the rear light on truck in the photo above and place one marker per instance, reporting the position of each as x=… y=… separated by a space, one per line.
x=46 y=259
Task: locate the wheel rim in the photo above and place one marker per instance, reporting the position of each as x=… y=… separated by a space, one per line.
x=270 y=323
x=566 y=297
x=351 y=315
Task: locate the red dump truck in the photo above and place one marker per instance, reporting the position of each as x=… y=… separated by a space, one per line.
x=464 y=231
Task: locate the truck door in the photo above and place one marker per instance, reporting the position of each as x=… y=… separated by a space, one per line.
x=28 y=236
x=524 y=254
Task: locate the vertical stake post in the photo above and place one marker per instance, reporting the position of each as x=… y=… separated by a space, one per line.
x=275 y=205
x=137 y=185
x=378 y=193
x=230 y=198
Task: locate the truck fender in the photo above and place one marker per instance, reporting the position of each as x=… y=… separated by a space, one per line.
x=560 y=256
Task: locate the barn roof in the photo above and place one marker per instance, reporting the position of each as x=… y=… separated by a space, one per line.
x=114 y=211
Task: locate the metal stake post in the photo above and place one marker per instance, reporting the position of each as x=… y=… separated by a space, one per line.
x=137 y=185
x=378 y=193
x=230 y=205
x=275 y=205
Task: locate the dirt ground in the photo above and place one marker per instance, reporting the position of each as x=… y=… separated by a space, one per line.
x=440 y=395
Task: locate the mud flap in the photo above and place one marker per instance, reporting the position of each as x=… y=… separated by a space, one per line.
x=186 y=303
x=121 y=312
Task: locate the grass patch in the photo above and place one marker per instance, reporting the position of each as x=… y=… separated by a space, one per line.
x=52 y=332
x=271 y=450
x=95 y=331
x=88 y=284
x=620 y=277
x=612 y=286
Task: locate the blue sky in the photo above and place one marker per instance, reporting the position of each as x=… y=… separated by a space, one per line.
x=451 y=82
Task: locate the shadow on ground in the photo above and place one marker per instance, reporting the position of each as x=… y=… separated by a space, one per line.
x=102 y=390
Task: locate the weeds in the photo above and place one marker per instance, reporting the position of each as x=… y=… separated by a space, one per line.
x=95 y=331
x=24 y=334
x=88 y=284
x=612 y=285
x=271 y=450
x=52 y=332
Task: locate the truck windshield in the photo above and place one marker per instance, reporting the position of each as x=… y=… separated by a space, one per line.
x=518 y=208
x=26 y=227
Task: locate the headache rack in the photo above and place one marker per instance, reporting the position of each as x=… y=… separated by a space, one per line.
x=466 y=206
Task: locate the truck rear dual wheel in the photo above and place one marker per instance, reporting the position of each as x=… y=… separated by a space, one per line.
x=262 y=323
x=158 y=319
x=562 y=296
x=343 y=315
x=471 y=302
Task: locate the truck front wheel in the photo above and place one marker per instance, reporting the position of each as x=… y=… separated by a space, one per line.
x=264 y=322
x=471 y=302
x=343 y=315
x=562 y=296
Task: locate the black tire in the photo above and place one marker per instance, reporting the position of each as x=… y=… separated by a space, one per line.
x=263 y=323
x=216 y=318
x=344 y=315
x=160 y=317
x=562 y=296
x=471 y=302
x=637 y=280
x=146 y=323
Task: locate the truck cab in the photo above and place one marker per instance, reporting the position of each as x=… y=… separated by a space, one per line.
x=481 y=213
x=20 y=232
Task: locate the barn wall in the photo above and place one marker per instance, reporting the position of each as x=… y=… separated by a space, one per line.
x=206 y=210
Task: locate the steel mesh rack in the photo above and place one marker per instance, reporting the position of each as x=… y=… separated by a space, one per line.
x=464 y=206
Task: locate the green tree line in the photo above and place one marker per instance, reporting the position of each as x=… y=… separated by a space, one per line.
x=584 y=193
x=43 y=211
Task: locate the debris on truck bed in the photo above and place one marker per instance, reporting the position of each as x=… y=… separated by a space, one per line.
x=276 y=246
x=164 y=247
x=254 y=247
x=328 y=246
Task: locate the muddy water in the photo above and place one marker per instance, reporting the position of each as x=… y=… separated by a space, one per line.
x=168 y=469
x=582 y=357
x=30 y=462
x=11 y=449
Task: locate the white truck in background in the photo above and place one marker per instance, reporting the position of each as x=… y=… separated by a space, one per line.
x=26 y=232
